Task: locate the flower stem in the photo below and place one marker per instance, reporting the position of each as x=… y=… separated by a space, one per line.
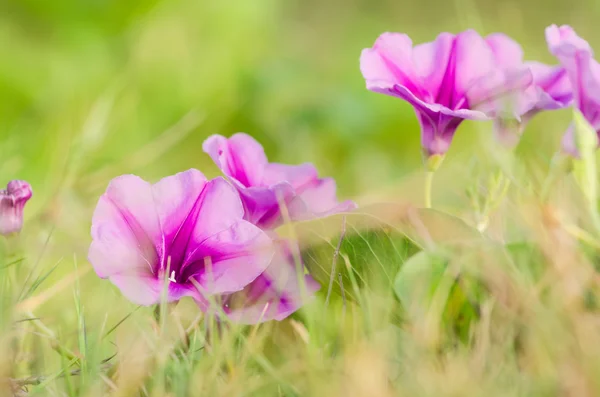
x=432 y=163
x=428 y=187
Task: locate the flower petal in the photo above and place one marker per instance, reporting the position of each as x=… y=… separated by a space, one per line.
x=133 y=198
x=147 y=290
x=554 y=85
x=432 y=61
x=177 y=199
x=295 y=175
x=563 y=41
x=125 y=229
x=116 y=249
x=231 y=259
x=390 y=62
x=224 y=252
x=576 y=56
x=473 y=61
x=141 y=289
x=240 y=157
x=320 y=198
x=220 y=208
x=263 y=205
x=275 y=294
x=174 y=198
x=438 y=123
x=507 y=52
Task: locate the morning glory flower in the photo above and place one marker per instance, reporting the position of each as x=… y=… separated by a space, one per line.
x=453 y=78
x=184 y=233
x=267 y=188
x=12 y=203
x=577 y=58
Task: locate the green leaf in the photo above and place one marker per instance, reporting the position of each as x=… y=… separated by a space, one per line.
x=418 y=279
x=377 y=240
x=367 y=259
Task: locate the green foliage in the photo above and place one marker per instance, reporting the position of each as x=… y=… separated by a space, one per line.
x=370 y=257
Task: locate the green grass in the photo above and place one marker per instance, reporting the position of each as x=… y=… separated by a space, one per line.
x=494 y=291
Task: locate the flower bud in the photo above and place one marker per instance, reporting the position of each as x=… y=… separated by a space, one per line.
x=12 y=202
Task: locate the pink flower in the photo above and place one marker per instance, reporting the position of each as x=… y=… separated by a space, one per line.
x=453 y=78
x=275 y=294
x=266 y=187
x=12 y=202
x=577 y=58
x=183 y=232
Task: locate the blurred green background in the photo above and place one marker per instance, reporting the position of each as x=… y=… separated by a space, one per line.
x=90 y=89
x=86 y=85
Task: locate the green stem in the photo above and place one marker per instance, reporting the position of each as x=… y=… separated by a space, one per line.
x=428 y=187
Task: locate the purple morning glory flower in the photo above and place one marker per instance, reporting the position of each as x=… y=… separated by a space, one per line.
x=183 y=232
x=453 y=78
x=577 y=58
x=275 y=294
x=550 y=90
x=265 y=187
x=12 y=202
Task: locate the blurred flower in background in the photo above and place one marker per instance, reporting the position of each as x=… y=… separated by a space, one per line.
x=12 y=203
x=583 y=71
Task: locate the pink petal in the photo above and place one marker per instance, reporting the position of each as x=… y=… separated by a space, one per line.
x=144 y=289
x=320 y=196
x=141 y=289
x=220 y=208
x=229 y=252
x=507 y=52
x=232 y=258
x=178 y=199
x=275 y=294
x=502 y=88
x=438 y=123
x=174 y=198
x=431 y=62
x=239 y=157
x=115 y=249
x=473 y=59
x=125 y=229
x=295 y=175
x=133 y=198
x=273 y=305
x=563 y=41
x=390 y=62
x=263 y=205
x=576 y=56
